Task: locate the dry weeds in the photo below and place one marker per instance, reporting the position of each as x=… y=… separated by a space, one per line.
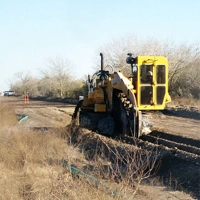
x=31 y=166
x=36 y=165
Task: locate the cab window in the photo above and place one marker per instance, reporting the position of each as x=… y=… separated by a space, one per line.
x=146 y=74
x=161 y=74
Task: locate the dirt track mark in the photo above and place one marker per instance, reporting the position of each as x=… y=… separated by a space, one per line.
x=192 y=113
x=176 y=138
x=187 y=147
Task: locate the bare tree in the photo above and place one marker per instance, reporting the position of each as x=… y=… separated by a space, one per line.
x=56 y=76
x=21 y=85
x=11 y=83
x=23 y=76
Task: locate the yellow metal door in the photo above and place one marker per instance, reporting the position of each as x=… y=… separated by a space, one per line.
x=152 y=87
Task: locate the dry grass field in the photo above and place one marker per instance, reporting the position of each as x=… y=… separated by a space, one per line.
x=39 y=164
x=31 y=165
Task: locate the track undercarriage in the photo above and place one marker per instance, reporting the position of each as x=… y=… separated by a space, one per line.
x=121 y=120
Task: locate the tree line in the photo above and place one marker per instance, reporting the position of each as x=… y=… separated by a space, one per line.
x=57 y=79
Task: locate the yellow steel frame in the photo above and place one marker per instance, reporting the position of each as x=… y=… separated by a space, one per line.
x=152 y=60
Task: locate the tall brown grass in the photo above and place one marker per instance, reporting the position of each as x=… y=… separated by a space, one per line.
x=31 y=165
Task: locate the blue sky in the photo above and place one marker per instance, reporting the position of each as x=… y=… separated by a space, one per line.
x=32 y=31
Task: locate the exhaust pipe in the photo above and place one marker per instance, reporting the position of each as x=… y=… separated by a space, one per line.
x=101 y=61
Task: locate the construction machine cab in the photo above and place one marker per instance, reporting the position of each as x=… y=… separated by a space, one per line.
x=150 y=81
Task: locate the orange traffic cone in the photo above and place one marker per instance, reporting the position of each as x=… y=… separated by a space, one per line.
x=26 y=99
